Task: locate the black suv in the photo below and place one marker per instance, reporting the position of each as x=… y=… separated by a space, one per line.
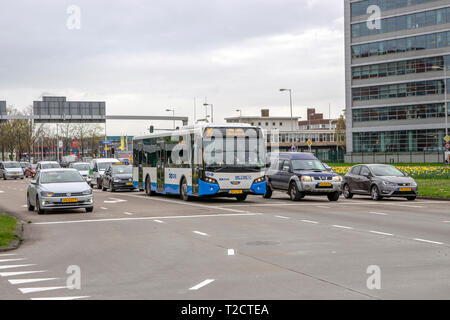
x=118 y=176
x=301 y=174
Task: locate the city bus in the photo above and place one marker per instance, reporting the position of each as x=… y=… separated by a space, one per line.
x=201 y=161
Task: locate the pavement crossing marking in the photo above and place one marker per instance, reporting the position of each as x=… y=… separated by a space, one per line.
x=19 y=273
x=202 y=284
x=22 y=281
x=427 y=241
x=16 y=266
x=61 y=298
x=8 y=255
x=33 y=290
x=10 y=260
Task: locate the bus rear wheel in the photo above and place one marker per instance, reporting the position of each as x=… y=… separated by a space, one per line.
x=148 y=187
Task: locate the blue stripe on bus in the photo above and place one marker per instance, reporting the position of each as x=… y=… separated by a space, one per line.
x=205 y=188
x=259 y=188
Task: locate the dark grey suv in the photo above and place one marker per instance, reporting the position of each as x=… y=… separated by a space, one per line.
x=378 y=181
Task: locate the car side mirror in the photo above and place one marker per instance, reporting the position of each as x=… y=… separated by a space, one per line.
x=33 y=182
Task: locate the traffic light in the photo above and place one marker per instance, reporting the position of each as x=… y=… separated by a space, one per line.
x=151 y=129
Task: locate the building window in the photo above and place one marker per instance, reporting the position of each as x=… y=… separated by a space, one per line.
x=281 y=124
x=422 y=111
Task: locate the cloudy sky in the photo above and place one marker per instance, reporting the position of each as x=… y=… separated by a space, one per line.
x=143 y=56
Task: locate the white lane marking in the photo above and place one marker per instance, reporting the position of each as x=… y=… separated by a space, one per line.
x=379 y=213
x=61 y=298
x=159 y=221
x=309 y=221
x=16 y=266
x=428 y=241
x=8 y=255
x=231 y=252
x=2 y=191
x=114 y=200
x=9 y=260
x=408 y=206
x=447 y=221
x=24 y=206
x=151 y=218
x=382 y=233
x=20 y=273
x=342 y=227
x=200 y=233
x=201 y=284
x=32 y=290
x=103 y=208
x=22 y=281
x=323 y=207
x=282 y=217
x=128 y=213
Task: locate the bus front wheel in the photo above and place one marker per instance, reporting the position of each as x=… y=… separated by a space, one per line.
x=148 y=188
x=184 y=190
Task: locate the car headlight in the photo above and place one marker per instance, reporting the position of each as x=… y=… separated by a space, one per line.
x=47 y=194
x=413 y=184
x=388 y=183
x=337 y=178
x=87 y=192
x=116 y=180
x=259 y=180
x=306 y=179
x=210 y=180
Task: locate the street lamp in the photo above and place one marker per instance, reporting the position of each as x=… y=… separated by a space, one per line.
x=212 y=110
x=173 y=115
x=240 y=114
x=446 y=89
x=290 y=103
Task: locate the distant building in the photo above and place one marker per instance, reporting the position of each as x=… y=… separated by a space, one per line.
x=317 y=130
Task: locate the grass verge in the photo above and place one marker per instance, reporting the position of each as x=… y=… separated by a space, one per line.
x=7 y=227
x=395 y=164
x=438 y=188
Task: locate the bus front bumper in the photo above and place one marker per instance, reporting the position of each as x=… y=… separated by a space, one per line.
x=212 y=189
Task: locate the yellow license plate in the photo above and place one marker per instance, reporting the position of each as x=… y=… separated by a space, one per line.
x=325 y=184
x=129 y=183
x=405 y=189
x=69 y=200
x=236 y=191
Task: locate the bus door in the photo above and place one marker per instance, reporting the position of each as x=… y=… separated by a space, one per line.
x=160 y=172
x=195 y=166
x=141 y=165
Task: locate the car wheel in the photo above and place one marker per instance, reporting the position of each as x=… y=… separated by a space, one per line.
x=268 y=193
x=294 y=194
x=111 y=188
x=90 y=209
x=99 y=185
x=103 y=188
x=148 y=187
x=30 y=207
x=375 y=193
x=333 y=196
x=184 y=191
x=412 y=198
x=38 y=207
x=347 y=193
x=241 y=197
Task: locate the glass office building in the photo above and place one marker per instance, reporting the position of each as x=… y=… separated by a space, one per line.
x=396 y=69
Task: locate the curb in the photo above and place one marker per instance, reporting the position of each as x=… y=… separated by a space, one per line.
x=17 y=241
x=433 y=198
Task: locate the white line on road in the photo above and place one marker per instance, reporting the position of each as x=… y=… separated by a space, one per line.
x=32 y=290
x=407 y=205
x=8 y=254
x=309 y=221
x=159 y=221
x=201 y=284
x=61 y=298
x=16 y=266
x=151 y=218
x=428 y=241
x=447 y=221
x=103 y=208
x=382 y=233
x=231 y=252
x=128 y=213
x=9 y=260
x=282 y=217
x=19 y=273
x=323 y=207
x=2 y=191
x=342 y=227
x=379 y=213
x=200 y=233
x=22 y=281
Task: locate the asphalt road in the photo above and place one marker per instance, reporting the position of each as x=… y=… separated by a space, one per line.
x=138 y=247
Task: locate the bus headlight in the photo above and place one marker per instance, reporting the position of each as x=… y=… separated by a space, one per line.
x=337 y=178
x=210 y=180
x=259 y=180
x=306 y=179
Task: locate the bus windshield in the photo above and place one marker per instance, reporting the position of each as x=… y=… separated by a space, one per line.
x=233 y=148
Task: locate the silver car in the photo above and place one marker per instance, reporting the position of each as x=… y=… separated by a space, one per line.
x=83 y=168
x=59 y=189
x=11 y=170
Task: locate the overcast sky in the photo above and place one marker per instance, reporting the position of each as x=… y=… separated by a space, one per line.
x=142 y=57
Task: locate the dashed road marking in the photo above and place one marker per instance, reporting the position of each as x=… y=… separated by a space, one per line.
x=22 y=281
x=309 y=221
x=381 y=233
x=159 y=221
x=379 y=213
x=202 y=284
x=323 y=207
x=200 y=233
x=128 y=213
x=33 y=290
x=2 y=191
x=428 y=241
x=103 y=208
x=231 y=252
x=342 y=227
x=16 y=266
x=282 y=217
x=408 y=206
x=61 y=298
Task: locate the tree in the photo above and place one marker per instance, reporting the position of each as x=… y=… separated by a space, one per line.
x=340 y=133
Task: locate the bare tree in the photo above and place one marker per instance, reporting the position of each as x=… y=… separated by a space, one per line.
x=339 y=134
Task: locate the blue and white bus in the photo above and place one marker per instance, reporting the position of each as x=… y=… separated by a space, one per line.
x=201 y=161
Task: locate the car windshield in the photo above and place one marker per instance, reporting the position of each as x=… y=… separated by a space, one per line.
x=122 y=169
x=61 y=177
x=24 y=164
x=50 y=166
x=11 y=165
x=307 y=165
x=104 y=165
x=387 y=171
x=81 y=166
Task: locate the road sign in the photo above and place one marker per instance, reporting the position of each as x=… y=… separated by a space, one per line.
x=60 y=144
x=293 y=149
x=309 y=143
x=106 y=142
x=447 y=139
